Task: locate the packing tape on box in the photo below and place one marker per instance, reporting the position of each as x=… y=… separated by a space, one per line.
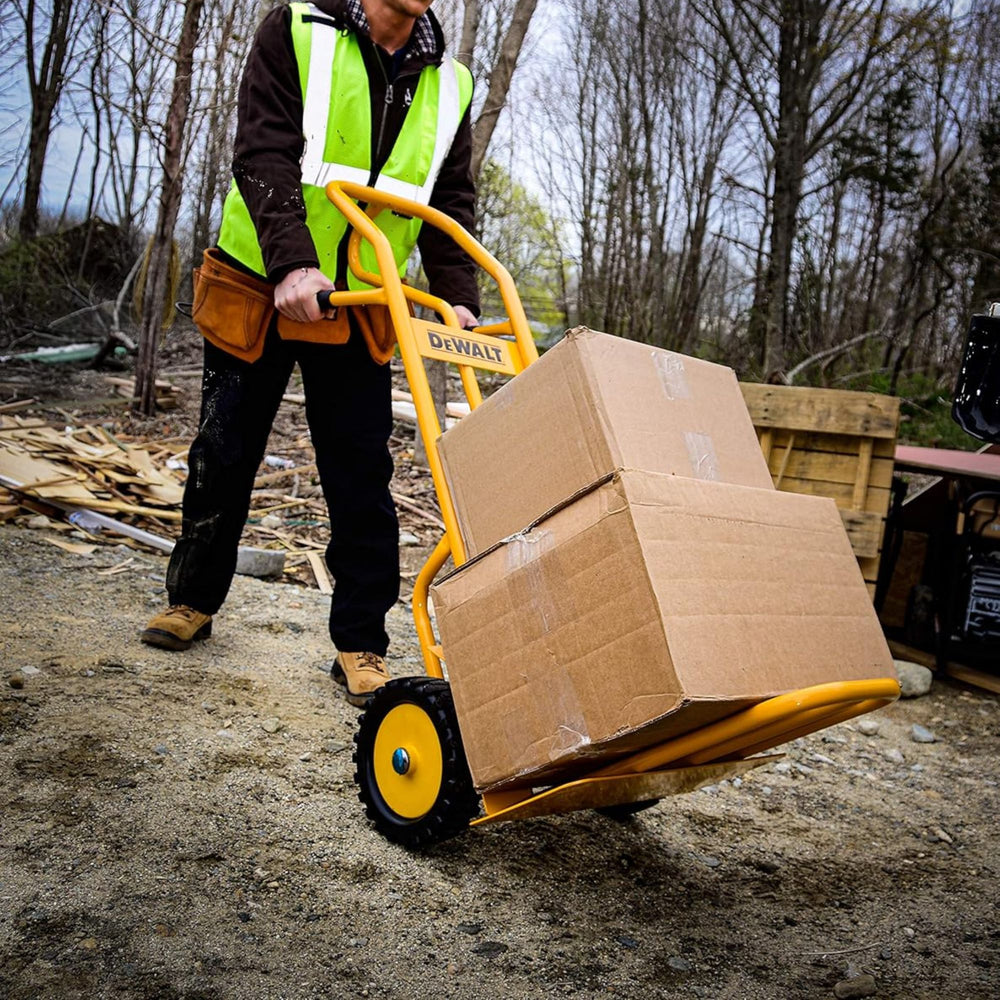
x=539 y=615
x=670 y=369
x=701 y=454
x=523 y=552
x=566 y=727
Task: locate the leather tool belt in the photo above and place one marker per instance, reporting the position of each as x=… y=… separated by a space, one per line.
x=233 y=310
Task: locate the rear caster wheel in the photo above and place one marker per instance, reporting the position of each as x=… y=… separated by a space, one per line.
x=623 y=812
x=411 y=771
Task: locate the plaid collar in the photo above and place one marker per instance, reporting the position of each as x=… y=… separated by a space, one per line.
x=422 y=42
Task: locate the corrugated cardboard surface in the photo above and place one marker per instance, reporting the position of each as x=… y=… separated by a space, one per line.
x=647 y=607
x=590 y=405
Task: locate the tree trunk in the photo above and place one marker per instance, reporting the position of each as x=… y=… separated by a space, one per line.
x=470 y=31
x=500 y=77
x=45 y=86
x=797 y=34
x=158 y=271
x=437 y=379
x=41 y=119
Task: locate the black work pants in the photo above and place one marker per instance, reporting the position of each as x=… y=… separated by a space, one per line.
x=349 y=411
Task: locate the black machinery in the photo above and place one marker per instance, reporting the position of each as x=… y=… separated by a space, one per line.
x=970 y=625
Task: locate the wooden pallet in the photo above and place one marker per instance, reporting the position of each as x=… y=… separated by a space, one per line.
x=832 y=443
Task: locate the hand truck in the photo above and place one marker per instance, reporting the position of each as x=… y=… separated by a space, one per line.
x=411 y=769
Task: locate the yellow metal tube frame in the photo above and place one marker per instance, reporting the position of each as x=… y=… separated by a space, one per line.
x=750 y=731
x=389 y=290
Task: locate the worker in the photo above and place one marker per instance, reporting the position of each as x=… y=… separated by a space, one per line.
x=356 y=90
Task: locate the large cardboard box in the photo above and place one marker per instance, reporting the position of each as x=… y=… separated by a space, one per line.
x=644 y=608
x=592 y=404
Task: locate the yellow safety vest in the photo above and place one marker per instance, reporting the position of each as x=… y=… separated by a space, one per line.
x=337 y=125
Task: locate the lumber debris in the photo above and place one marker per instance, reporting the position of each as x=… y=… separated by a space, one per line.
x=80 y=466
x=320 y=573
x=115 y=488
x=167 y=394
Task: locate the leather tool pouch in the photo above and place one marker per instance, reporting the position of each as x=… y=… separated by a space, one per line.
x=374 y=322
x=324 y=331
x=376 y=327
x=231 y=309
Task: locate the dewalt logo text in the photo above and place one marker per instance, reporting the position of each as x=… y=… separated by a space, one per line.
x=465 y=348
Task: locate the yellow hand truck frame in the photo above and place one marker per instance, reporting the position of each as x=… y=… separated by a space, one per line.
x=411 y=769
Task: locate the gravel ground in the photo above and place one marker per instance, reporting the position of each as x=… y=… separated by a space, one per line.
x=186 y=826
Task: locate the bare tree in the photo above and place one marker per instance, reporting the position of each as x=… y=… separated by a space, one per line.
x=46 y=71
x=635 y=140
x=500 y=76
x=158 y=271
x=805 y=67
x=227 y=28
x=470 y=30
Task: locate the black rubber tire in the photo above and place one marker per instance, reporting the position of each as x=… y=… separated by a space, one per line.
x=624 y=811
x=457 y=802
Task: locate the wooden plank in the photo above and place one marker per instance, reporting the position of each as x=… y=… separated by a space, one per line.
x=942 y=461
x=96 y=503
x=273 y=477
x=319 y=571
x=864 y=529
x=830 y=468
x=903 y=652
x=766 y=442
x=989 y=682
x=17 y=404
x=864 y=469
x=839 y=444
x=789 y=448
x=836 y=411
x=42 y=477
x=869 y=568
x=77 y=548
x=877 y=499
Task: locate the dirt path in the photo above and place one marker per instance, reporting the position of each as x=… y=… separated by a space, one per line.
x=186 y=826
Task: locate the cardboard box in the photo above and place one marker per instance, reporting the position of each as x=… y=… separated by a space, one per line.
x=592 y=404
x=647 y=607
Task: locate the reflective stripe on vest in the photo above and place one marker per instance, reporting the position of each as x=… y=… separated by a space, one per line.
x=336 y=122
x=317 y=170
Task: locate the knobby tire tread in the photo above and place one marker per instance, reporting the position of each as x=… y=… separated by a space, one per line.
x=457 y=802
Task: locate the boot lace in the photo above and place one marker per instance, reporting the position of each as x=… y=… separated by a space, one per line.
x=370 y=661
x=183 y=611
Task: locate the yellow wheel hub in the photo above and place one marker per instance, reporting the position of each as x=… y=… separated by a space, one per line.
x=407 y=761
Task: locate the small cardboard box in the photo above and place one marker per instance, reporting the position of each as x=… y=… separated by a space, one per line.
x=647 y=606
x=592 y=404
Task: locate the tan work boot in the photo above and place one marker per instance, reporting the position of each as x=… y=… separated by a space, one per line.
x=362 y=674
x=177 y=628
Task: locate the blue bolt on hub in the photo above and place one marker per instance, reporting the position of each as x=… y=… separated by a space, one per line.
x=400 y=761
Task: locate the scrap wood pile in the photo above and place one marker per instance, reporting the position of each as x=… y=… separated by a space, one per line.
x=86 y=467
x=67 y=473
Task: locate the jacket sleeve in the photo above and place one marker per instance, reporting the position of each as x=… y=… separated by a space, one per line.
x=451 y=273
x=269 y=145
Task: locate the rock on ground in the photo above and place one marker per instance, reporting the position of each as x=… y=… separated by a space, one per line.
x=914 y=679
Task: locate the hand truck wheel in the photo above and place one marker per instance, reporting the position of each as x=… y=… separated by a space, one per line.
x=411 y=770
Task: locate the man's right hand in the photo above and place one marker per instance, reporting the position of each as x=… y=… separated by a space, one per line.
x=295 y=294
